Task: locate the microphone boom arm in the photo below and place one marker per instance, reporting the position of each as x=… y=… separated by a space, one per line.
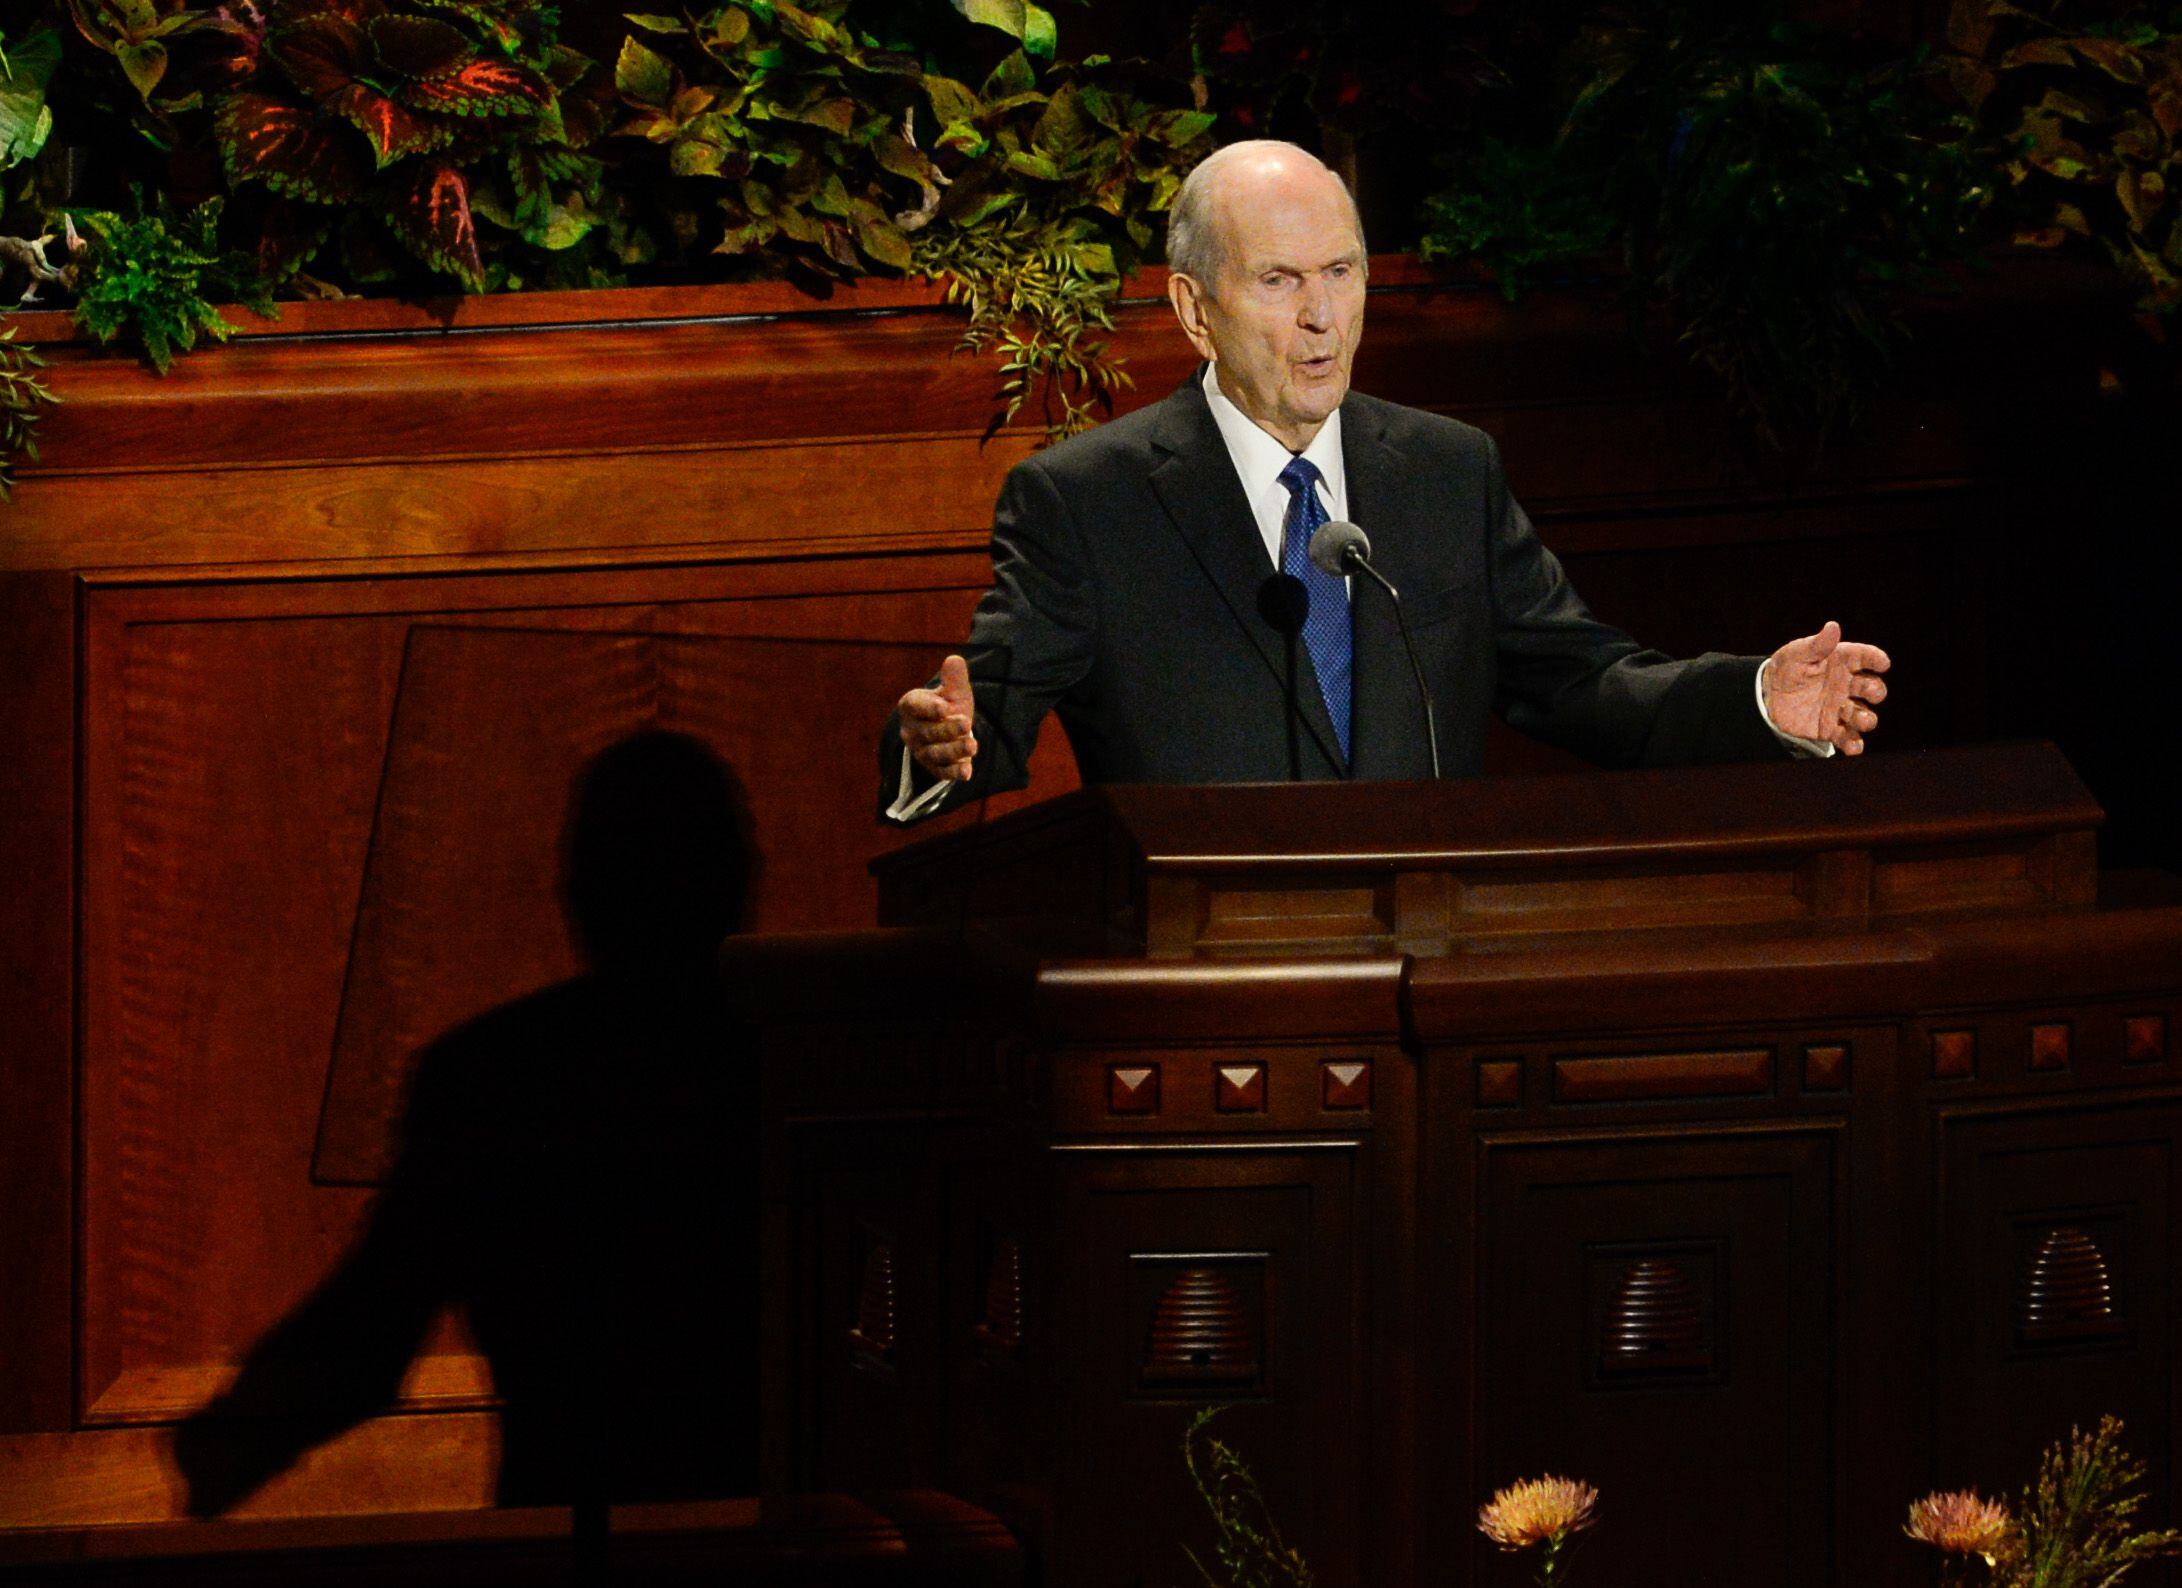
x=1354 y=560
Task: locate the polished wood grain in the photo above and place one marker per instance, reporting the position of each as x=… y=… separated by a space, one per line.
x=37 y=844
x=900 y=1538
x=228 y=590
x=1646 y=1191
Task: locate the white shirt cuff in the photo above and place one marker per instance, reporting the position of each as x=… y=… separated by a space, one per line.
x=908 y=804
x=1814 y=749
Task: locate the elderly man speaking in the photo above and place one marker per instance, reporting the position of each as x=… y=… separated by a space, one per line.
x=1152 y=579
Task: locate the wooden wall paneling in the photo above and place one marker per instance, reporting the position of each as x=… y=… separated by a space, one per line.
x=753 y=501
x=101 y=1477
x=1000 y=1309
x=1883 y=1452
x=2009 y=1174
x=218 y=955
x=38 y=660
x=1270 y=1247
x=1733 y=1372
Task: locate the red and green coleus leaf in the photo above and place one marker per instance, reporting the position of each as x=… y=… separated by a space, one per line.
x=286 y=13
x=509 y=24
x=321 y=54
x=289 y=148
x=482 y=88
x=290 y=236
x=394 y=130
x=417 y=47
x=427 y=206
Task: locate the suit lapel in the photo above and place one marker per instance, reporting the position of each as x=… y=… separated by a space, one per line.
x=1386 y=731
x=1195 y=482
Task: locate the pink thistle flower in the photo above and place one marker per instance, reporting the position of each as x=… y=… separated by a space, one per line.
x=1538 y=1511
x=1958 y=1522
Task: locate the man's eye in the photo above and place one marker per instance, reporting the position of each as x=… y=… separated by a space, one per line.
x=1339 y=272
x=1273 y=281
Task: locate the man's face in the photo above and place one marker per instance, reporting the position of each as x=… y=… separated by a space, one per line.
x=1283 y=320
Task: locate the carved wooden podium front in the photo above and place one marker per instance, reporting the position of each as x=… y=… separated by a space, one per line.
x=1765 y=1145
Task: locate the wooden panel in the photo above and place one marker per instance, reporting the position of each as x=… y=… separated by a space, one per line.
x=123 y=1475
x=218 y=954
x=2008 y=1176
x=898 y=1538
x=37 y=1014
x=1747 y=1072
x=1753 y=1217
x=1262 y=1221
x=855 y=495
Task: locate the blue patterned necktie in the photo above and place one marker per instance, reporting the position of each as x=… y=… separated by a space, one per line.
x=1326 y=630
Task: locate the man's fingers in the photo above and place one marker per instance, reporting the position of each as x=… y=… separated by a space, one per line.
x=1821 y=644
x=921 y=735
x=954 y=681
x=936 y=724
x=922 y=705
x=1866 y=687
x=1863 y=658
x=950 y=759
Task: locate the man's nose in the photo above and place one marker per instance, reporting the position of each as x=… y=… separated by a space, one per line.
x=1315 y=312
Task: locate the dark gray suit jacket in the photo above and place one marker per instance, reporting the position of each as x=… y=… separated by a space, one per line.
x=1129 y=596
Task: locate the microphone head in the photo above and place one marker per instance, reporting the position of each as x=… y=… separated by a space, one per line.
x=1339 y=546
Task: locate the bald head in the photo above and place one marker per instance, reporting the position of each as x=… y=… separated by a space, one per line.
x=1235 y=181
x=1268 y=282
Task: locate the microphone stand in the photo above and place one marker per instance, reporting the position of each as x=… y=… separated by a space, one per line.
x=1354 y=560
x=1282 y=603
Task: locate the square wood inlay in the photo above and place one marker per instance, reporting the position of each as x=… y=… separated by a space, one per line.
x=1499 y=1083
x=1954 y=1055
x=1239 y=1088
x=1132 y=1088
x=2144 y=1039
x=1826 y=1067
x=2049 y=1046
x=1347 y=1083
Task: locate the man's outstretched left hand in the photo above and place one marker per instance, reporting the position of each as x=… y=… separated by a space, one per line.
x=1824 y=687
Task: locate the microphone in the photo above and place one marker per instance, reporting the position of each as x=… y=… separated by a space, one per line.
x=1341 y=548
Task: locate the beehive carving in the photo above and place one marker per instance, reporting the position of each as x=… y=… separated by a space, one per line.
x=1655 y=1321
x=1201 y=1332
x=1001 y=1326
x=2066 y=1292
x=872 y=1337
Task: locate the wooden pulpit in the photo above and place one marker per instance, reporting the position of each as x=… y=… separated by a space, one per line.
x=1764 y=1145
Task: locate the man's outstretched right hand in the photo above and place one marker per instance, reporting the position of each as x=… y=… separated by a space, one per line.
x=936 y=723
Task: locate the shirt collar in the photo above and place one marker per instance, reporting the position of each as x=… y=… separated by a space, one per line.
x=1258 y=458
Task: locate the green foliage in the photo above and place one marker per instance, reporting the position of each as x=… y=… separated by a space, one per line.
x=324 y=146
x=1036 y=291
x=24 y=397
x=1518 y=210
x=152 y=278
x=27 y=64
x=1776 y=194
x=382 y=121
x=2075 y=1520
x=1250 y=1551
x=2088 y=109
x=795 y=124
x=1050 y=199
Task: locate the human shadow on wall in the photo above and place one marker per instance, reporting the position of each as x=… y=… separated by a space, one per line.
x=579 y=1173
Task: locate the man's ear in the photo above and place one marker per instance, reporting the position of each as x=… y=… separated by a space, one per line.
x=1187 y=295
